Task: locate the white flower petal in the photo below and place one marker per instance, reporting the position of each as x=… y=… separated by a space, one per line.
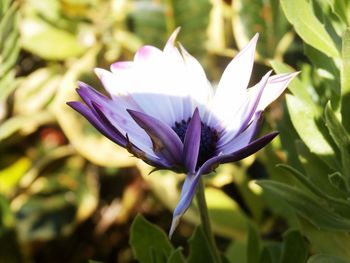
x=240 y=120
x=274 y=88
x=231 y=90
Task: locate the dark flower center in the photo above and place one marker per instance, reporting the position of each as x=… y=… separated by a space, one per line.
x=209 y=138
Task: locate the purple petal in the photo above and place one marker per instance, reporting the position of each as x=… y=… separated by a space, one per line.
x=139 y=153
x=110 y=132
x=166 y=142
x=244 y=138
x=89 y=94
x=192 y=142
x=187 y=193
x=240 y=154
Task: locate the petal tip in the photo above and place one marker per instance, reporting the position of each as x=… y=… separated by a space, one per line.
x=175 y=222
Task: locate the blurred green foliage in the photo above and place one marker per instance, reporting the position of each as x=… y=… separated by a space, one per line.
x=67 y=194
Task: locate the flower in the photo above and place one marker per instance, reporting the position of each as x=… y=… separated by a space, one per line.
x=163 y=110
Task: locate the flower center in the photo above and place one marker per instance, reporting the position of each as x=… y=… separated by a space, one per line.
x=209 y=138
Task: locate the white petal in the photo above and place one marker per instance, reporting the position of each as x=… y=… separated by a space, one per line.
x=240 y=120
x=274 y=88
x=231 y=90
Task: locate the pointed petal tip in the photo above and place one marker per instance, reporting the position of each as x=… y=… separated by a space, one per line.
x=173 y=36
x=175 y=222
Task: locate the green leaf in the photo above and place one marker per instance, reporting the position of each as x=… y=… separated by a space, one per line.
x=345 y=78
x=294 y=248
x=248 y=16
x=36 y=91
x=145 y=238
x=316 y=170
x=234 y=251
x=199 y=247
x=300 y=14
x=176 y=256
x=341 y=138
x=323 y=258
x=43 y=211
x=335 y=243
x=304 y=118
x=155 y=21
x=10 y=176
x=254 y=245
x=307 y=207
x=296 y=86
x=49 y=42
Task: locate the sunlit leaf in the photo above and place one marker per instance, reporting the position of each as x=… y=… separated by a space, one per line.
x=154 y=21
x=49 y=42
x=10 y=176
x=265 y=17
x=303 y=118
x=300 y=14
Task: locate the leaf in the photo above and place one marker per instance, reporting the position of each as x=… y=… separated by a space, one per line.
x=304 y=121
x=24 y=124
x=341 y=138
x=317 y=171
x=234 y=251
x=227 y=219
x=12 y=174
x=154 y=21
x=36 y=91
x=254 y=245
x=43 y=211
x=176 y=256
x=307 y=207
x=48 y=42
x=300 y=14
x=296 y=86
x=335 y=243
x=345 y=78
x=323 y=258
x=248 y=16
x=294 y=249
x=145 y=237
x=199 y=247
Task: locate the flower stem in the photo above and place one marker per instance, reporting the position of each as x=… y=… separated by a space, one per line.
x=204 y=215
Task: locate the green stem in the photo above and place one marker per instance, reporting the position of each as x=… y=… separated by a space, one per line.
x=204 y=215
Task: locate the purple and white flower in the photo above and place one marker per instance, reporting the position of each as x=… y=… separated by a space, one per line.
x=163 y=110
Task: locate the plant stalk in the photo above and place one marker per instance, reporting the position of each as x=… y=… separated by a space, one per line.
x=204 y=215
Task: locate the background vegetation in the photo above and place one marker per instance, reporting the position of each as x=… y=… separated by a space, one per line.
x=68 y=195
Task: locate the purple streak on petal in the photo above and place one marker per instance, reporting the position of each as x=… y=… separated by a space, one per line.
x=254 y=102
x=166 y=142
x=244 y=138
x=89 y=94
x=111 y=133
x=187 y=193
x=242 y=153
x=192 y=142
x=139 y=153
